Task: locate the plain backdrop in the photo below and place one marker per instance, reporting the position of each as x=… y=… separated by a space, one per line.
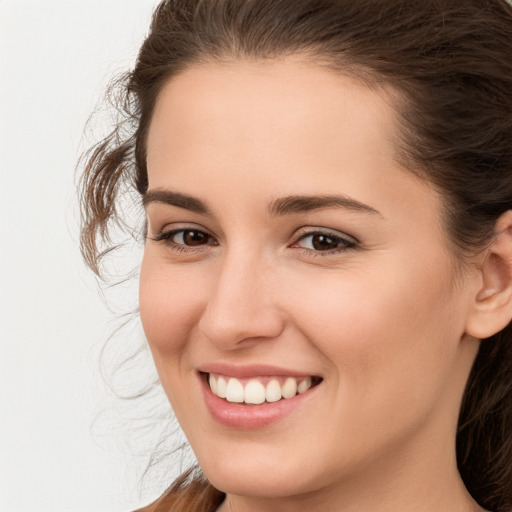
x=56 y=57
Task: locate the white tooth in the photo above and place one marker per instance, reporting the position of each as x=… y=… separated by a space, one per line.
x=213 y=383
x=304 y=385
x=234 y=391
x=254 y=392
x=273 y=391
x=221 y=387
x=289 y=388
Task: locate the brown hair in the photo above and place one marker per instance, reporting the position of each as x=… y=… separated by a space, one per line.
x=451 y=64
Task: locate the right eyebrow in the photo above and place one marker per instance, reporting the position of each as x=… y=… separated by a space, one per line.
x=175 y=199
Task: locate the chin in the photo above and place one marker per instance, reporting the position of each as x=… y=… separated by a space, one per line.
x=265 y=486
x=262 y=477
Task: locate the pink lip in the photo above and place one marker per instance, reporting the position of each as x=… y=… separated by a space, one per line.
x=248 y=371
x=244 y=416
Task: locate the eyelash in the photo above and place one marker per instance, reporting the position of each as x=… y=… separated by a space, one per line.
x=166 y=238
x=344 y=244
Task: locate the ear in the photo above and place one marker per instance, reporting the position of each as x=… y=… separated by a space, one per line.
x=491 y=310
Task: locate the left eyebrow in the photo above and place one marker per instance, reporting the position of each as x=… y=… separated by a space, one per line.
x=303 y=204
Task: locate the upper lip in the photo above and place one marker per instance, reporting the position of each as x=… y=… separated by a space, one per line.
x=248 y=371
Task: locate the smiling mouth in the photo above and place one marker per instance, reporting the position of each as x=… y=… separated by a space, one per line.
x=258 y=390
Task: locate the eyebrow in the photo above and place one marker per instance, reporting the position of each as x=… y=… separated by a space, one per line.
x=175 y=199
x=303 y=204
x=278 y=207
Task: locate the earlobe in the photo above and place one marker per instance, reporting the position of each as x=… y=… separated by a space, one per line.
x=492 y=308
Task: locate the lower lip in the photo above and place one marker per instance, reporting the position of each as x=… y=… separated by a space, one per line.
x=245 y=416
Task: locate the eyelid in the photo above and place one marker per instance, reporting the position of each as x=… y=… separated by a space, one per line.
x=180 y=226
x=312 y=230
x=165 y=235
x=348 y=242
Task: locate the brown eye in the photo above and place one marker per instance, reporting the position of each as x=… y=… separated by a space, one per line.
x=192 y=237
x=325 y=242
x=185 y=238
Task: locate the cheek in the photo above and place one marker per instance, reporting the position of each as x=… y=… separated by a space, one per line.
x=389 y=350
x=170 y=306
x=390 y=331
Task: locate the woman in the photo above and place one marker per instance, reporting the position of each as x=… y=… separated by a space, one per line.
x=326 y=286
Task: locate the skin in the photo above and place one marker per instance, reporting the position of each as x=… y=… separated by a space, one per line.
x=390 y=324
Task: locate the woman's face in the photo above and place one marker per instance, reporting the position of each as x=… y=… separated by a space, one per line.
x=287 y=246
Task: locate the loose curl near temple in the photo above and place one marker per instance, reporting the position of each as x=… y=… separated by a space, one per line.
x=449 y=67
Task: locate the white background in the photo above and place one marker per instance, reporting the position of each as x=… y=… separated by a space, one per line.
x=56 y=56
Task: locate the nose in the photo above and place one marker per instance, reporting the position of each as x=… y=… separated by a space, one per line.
x=242 y=306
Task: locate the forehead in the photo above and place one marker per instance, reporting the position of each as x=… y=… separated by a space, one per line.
x=284 y=109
